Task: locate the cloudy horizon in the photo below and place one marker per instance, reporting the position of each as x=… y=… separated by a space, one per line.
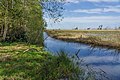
x=89 y=13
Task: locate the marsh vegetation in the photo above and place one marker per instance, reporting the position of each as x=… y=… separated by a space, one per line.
x=103 y=38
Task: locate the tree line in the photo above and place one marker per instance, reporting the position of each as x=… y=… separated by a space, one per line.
x=22 y=20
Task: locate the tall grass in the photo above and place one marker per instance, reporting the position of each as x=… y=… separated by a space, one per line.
x=103 y=38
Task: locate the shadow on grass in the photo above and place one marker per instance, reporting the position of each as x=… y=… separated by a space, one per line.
x=2 y=44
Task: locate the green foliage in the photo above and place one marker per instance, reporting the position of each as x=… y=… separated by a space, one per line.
x=17 y=34
x=28 y=64
x=27 y=14
x=60 y=67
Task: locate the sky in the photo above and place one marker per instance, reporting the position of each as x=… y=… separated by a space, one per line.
x=88 y=14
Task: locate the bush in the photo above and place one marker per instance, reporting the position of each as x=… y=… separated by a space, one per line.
x=16 y=34
x=60 y=67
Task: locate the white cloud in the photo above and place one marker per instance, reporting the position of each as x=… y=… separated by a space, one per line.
x=90 y=19
x=84 y=22
x=73 y=1
x=107 y=6
x=93 y=19
x=88 y=11
x=112 y=10
x=101 y=0
x=100 y=10
x=77 y=1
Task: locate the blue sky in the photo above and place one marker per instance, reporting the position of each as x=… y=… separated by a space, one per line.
x=89 y=13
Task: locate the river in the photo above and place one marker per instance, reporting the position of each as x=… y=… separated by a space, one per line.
x=98 y=58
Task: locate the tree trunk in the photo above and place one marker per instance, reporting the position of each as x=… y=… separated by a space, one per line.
x=5 y=30
x=5 y=22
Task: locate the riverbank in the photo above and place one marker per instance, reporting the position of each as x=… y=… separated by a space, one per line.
x=20 y=61
x=102 y=38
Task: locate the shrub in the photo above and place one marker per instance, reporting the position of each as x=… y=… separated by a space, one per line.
x=60 y=68
x=16 y=34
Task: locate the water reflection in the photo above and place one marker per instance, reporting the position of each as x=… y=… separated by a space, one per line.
x=99 y=58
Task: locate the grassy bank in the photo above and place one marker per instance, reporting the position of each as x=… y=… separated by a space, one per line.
x=19 y=61
x=103 y=38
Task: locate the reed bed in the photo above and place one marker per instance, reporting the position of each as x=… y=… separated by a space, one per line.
x=103 y=38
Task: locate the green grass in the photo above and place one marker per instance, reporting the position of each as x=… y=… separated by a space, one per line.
x=19 y=61
x=18 y=64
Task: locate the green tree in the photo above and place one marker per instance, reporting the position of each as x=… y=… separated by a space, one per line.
x=27 y=14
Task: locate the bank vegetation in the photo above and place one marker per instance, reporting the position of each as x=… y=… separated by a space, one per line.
x=102 y=38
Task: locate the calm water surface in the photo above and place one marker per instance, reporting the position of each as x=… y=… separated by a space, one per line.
x=98 y=58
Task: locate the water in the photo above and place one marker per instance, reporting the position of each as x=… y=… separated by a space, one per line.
x=98 y=58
